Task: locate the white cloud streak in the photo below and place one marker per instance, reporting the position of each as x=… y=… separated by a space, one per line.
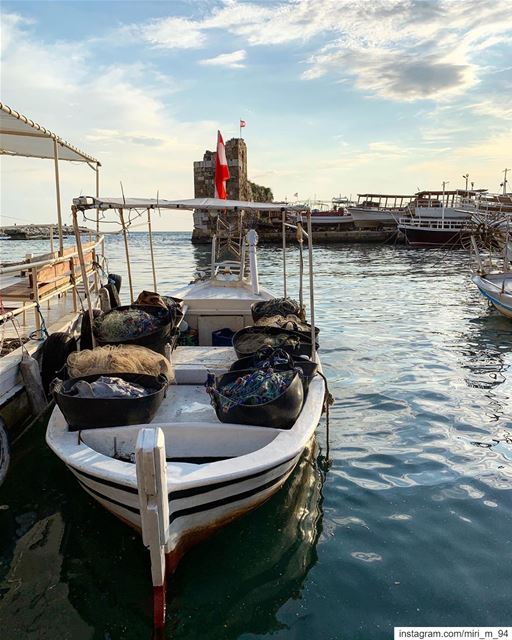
x=232 y=60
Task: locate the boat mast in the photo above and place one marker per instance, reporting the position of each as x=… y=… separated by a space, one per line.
x=505 y=182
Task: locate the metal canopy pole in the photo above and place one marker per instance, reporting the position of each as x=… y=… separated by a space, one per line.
x=57 y=188
x=284 y=251
x=83 y=270
x=127 y=253
x=98 y=165
x=311 y=289
x=151 y=249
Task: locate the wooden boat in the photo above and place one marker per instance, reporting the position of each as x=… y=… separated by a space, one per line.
x=211 y=472
x=39 y=295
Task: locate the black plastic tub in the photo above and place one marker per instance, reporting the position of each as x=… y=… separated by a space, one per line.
x=307 y=367
x=155 y=340
x=280 y=413
x=295 y=343
x=96 y=413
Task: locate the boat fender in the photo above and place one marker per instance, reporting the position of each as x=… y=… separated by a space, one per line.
x=113 y=293
x=4 y=451
x=56 y=350
x=115 y=279
x=85 y=329
x=104 y=297
x=31 y=376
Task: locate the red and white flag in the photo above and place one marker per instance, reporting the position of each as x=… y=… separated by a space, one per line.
x=221 y=169
x=242 y=124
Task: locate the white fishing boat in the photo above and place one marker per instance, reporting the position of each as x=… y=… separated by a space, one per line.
x=491 y=251
x=39 y=295
x=203 y=473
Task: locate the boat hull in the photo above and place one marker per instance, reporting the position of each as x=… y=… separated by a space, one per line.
x=494 y=292
x=193 y=518
x=423 y=237
x=371 y=218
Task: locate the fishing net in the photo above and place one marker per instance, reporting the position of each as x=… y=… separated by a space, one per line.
x=276 y=307
x=291 y=322
x=126 y=324
x=252 y=342
x=118 y=359
x=255 y=388
x=151 y=298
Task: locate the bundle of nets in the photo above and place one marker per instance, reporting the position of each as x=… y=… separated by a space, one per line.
x=252 y=342
x=126 y=324
x=118 y=359
x=276 y=307
x=291 y=321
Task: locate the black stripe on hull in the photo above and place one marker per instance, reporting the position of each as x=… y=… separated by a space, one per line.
x=182 y=493
x=228 y=499
x=195 y=491
x=102 y=496
x=207 y=506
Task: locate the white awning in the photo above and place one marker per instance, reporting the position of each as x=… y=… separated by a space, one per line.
x=20 y=136
x=88 y=202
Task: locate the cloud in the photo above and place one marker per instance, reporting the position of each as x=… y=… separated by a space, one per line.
x=116 y=112
x=395 y=49
x=171 y=33
x=232 y=60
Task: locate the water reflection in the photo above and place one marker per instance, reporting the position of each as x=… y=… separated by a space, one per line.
x=238 y=582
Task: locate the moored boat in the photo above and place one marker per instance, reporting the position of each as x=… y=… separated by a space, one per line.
x=39 y=295
x=378 y=210
x=209 y=471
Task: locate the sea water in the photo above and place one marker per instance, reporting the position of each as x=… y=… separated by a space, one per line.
x=410 y=525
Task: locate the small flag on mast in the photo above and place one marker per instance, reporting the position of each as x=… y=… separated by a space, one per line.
x=242 y=124
x=221 y=169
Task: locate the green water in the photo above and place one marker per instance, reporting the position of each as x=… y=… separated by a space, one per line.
x=412 y=524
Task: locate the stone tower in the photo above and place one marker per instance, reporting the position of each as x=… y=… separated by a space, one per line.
x=238 y=187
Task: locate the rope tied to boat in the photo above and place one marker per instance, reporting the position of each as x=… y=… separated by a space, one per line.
x=42 y=331
x=328 y=401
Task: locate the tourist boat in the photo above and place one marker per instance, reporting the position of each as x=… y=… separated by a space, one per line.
x=448 y=218
x=39 y=295
x=378 y=210
x=214 y=472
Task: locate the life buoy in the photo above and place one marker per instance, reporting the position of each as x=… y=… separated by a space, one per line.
x=4 y=451
x=56 y=349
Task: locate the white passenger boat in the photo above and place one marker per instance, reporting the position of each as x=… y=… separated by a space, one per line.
x=378 y=210
x=214 y=472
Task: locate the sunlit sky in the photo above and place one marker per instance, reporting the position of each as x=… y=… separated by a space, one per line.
x=339 y=96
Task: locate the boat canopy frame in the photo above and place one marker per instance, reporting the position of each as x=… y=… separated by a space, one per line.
x=21 y=136
x=302 y=231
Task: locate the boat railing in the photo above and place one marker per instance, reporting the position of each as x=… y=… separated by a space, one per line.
x=47 y=278
x=433 y=223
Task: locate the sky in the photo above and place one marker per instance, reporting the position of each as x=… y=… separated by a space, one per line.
x=340 y=96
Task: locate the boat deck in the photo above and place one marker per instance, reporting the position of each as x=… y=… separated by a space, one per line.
x=192 y=364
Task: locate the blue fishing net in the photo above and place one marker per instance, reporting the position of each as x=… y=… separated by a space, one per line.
x=254 y=388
